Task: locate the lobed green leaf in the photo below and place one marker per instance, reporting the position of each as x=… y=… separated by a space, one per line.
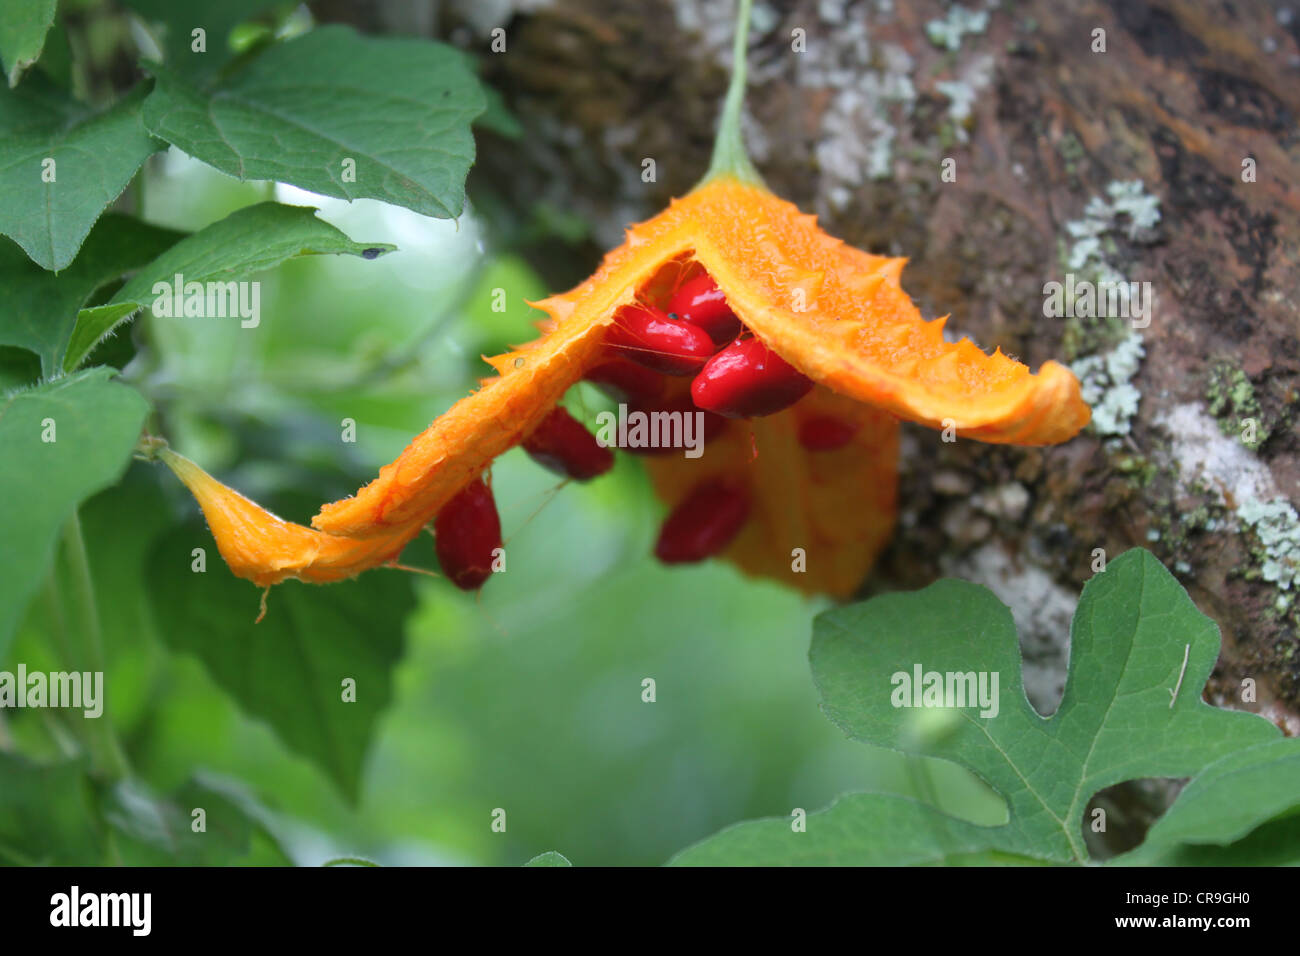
x=1140 y=654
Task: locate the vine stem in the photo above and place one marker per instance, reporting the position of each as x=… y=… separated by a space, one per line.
x=85 y=652
x=730 y=159
x=918 y=772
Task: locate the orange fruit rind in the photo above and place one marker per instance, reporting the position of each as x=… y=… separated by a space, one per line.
x=836 y=314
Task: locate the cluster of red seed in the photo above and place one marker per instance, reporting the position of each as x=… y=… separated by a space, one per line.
x=734 y=376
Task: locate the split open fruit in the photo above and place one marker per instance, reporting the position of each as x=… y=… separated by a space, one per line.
x=733 y=300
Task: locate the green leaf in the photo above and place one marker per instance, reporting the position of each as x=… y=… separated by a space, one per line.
x=246 y=242
x=1274 y=843
x=41 y=307
x=497 y=118
x=399 y=108
x=860 y=829
x=22 y=34
x=1132 y=628
x=549 y=858
x=46 y=809
x=94 y=157
x=289 y=669
x=150 y=830
x=1224 y=804
x=63 y=815
x=94 y=423
x=19 y=368
x=179 y=18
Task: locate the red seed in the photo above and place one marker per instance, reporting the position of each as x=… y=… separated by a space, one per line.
x=648 y=337
x=825 y=433
x=563 y=444
x=700 y=302
x=466 y=532
x=747 y=380
x=626 y=381
x=713 y=424
x=702 y=524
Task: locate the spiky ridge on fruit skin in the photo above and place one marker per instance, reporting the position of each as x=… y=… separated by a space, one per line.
x=700 y=302
x=563 y=444
x=647 y=336
x=703 y=523
x=748 y=380
x=466 y=533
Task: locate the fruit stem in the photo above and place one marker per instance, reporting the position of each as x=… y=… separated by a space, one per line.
x=729 y=156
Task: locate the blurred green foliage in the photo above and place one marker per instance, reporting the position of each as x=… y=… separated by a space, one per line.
x=528 y=698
